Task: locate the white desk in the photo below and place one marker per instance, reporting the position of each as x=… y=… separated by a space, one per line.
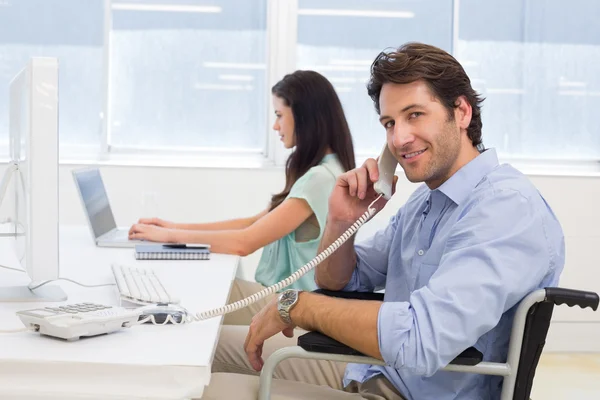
x=146 y=361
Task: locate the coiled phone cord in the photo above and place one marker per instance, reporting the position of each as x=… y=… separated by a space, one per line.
x=292 y=278
x=201 y=316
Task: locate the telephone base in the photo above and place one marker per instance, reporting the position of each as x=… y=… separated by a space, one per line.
x=71 y=322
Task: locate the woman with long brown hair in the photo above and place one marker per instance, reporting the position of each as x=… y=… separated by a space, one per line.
x=310 y=120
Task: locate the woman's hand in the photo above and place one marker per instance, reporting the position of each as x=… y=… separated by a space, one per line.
x=152 y=233
x=158 y=222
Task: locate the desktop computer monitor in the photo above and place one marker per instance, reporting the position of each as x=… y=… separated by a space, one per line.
x=33 y=173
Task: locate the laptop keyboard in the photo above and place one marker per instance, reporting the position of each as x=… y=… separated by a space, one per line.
x=117 y=234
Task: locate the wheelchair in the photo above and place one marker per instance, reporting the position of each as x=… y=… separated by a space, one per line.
x=528 y=336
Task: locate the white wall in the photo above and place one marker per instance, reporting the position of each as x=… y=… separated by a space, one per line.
x=194 y=194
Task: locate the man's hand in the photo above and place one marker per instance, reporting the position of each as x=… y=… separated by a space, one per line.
x=265 y=324
x=151 y=233
x=354 y=192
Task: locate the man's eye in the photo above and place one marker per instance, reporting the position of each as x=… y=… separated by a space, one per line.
x=415 y=114
x=388 y=124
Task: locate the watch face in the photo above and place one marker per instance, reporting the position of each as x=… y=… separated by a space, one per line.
x=288 y=298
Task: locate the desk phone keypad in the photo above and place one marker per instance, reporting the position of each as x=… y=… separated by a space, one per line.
x=78 y=308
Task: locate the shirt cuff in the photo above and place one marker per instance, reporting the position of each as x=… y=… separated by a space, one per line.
x=394 y=323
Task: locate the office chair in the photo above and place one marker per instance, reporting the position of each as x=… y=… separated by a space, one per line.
x=527 y=339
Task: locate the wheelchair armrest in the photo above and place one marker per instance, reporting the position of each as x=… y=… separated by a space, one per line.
x=351 y=295
x=572 y=297
x=319 y=343
x=470 y=356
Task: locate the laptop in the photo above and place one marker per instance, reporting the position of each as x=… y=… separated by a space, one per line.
x=97 y=208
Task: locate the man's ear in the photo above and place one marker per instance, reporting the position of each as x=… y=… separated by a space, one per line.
x=463 y=112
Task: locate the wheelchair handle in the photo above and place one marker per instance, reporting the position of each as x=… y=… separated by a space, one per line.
x=572 y=297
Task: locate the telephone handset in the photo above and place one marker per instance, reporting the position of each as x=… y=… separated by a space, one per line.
x=387 y=167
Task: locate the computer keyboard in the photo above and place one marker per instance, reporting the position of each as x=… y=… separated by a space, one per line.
x=141 y=286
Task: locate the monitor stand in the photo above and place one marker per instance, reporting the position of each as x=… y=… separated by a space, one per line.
x=8 y=173
x=46 y=293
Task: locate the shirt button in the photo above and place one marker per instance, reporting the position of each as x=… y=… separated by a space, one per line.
x=420 y=252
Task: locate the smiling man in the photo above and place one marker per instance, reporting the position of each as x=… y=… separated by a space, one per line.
x=455 y=260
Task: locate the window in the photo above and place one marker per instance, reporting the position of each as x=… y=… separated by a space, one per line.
x=536 y=62
x=194 y=76
x=70 y=30
x=341 y=38
x=188 y=74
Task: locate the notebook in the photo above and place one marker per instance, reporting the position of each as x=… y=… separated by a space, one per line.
x=159 y=251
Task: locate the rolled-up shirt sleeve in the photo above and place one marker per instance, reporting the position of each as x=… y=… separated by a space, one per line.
x=497 y=253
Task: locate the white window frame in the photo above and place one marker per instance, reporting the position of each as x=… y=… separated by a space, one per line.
x=282 y=36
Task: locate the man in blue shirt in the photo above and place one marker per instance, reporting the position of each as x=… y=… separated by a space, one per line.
x=454 y=261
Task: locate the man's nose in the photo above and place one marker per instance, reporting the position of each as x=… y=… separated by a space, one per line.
x=403 y=136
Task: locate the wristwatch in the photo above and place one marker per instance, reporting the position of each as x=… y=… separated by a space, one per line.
x=285 y=302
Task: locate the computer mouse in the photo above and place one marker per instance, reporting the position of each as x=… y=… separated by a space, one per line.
x=160 y=312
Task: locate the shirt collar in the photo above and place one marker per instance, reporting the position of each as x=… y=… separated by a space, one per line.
x=330 y=156
x=462 y=183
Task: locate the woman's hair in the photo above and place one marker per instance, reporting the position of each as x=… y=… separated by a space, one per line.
x=445 y=77
x=319 y=124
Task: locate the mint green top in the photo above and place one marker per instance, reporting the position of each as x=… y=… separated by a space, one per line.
x=285 y=256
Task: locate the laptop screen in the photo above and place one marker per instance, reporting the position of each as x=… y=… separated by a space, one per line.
x=95 y=201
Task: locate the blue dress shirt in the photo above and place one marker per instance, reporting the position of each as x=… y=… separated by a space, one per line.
x=454 y=263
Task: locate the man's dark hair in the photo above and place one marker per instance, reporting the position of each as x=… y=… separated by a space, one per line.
x=444 y=75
